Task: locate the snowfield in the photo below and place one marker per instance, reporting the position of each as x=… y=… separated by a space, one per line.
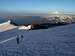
x=56 y=41
x=4 y=26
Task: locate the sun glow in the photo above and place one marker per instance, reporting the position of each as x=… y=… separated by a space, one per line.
x=56 y=12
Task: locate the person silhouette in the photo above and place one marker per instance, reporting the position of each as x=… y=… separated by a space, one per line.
x=17 y=40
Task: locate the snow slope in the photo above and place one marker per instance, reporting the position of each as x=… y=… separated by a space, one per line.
x=4 y=26
x=57 y=41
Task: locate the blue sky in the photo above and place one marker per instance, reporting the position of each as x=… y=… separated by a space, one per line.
x=36 y=5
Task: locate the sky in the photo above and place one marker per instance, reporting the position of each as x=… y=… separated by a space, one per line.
x=38 y=6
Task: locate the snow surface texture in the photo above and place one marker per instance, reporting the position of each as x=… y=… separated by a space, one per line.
x=57 y=41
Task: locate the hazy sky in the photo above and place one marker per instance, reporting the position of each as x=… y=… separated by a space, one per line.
x=36 y=5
